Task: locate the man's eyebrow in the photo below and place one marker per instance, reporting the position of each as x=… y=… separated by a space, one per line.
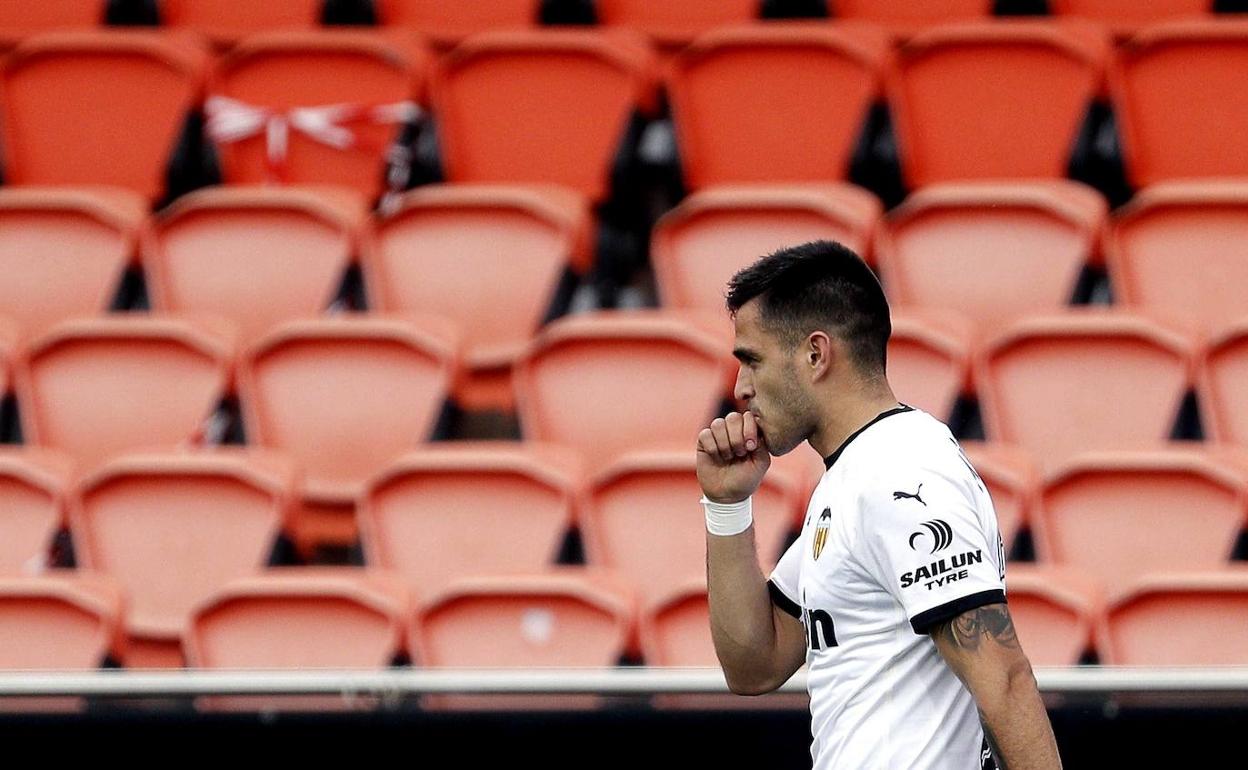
x=745 y=354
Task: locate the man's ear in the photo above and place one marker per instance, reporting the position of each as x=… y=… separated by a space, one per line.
x=820 y=352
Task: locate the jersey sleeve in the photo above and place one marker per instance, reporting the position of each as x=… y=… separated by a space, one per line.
x=930 y=539
x=783 y=584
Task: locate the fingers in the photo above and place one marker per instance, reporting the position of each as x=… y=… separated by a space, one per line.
x=732 y=437
x=719 y=429
x=749 y=430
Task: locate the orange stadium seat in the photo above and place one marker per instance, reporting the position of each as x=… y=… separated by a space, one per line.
x=91 y=108
x=315 y=107
x=1196 y=619
x=906 y=17
x=1085 y=381
x=677 y=631
x=449 y=23
x=63 y=251
x=929 y=360
x=548 y=106
x=998 y=100
x=1120 y=515
x=1223 y=384
x=1055 y=612
x=698 y=246
x=173 y=528
x=674 y=25
x=226 y=22
x=434 y=249
x=64 y=623
x=1177 y=252
x=20 y=19
x=991 y=251
x=610 y=382
x=8 y=341
x=96 y=387
x=32 y=507
x=774 y=103
x=255 y=255
x=1125 y=17
x=451 y=512
x=345 y=397
x=1173 y=92
x=1012 y=481
x=636 y=521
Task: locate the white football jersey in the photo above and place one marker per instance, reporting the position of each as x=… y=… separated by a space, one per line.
x=900 y=535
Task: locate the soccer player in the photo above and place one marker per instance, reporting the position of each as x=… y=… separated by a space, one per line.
x=894 y=593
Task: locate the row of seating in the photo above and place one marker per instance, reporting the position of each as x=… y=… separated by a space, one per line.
x=768 y=103
x=173 y=527
x=341 y=618
x=669 y=24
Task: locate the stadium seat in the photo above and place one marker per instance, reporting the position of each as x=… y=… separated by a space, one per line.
x=929 y=360
x=906 y=17
x=96 y=387
x=1055 y=612
x=996 y=100
x=774 y=103
x=548 y=106
x=636 y=521
x=677 y=631
x=255 y=255
x=449 y=23
x=584 y=381
x=345 y=397
x=1126 y=17
x=1173 y=90
x=19 y=20
x=33 y=483
x=675 y=25
x=92 y=108
x=1198 y=619
x=64 y=623
x=1178 y=252
x=451 y=512
x=173 y=528
x=1012 y=481
x=8 y=342
x=699 y=245
x=1083 y=381
x=225 y=22
x=1223 y=385
x=63 y=251
x=434 y=249
x=991 y=251
x=315 y=107
x=1120 y=515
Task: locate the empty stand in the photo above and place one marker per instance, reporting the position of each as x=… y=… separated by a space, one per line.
x=345 y=397
x=774 y=103
x=635 y=521
x=32 y=507
x=540 y=106
x=609 y=382
x=1177 y=252
x=451 y=512
x=64 y=623
x=1012 y=481
x=905 y=17
x=255 y=255
x=63 y=251
x=991 y=251
x=173 y=529
x=1125 y=17
x=698 y=246
x=315 y=107
x=677 y=632
x=1083 y=381
x=449 y=23
x=96 y=387
x=673 y=25
x=225 y=22
x=1223 y=379
x=1055 y=611
x=98 y=107
x=1122 y=515
x=993 y=100
x=1180 y=619
x=929 y=360
x=433 y=251
x=20 y=20
x=1173 y=90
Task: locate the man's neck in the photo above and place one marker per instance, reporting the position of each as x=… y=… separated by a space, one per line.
x=840 y=422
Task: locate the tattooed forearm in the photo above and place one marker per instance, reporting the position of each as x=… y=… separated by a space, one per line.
x=992 y=745
x=969 y=629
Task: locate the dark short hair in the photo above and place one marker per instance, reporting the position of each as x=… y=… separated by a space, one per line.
x=818 y=285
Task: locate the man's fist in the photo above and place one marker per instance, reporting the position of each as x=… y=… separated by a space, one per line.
x=732 y=458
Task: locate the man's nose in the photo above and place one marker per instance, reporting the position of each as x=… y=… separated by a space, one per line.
x=744 y=388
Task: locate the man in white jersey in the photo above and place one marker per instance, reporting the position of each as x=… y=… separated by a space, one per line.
x=894 y=593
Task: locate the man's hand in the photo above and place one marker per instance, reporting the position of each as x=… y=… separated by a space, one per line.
x=732 y=458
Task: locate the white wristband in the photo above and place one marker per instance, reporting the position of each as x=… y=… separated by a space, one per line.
x=726 y=519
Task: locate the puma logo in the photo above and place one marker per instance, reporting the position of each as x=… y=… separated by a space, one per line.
x=915 y=496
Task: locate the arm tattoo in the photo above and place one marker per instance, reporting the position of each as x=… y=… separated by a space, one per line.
x=968 y=630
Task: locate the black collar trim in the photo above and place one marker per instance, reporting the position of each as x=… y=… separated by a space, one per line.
x=832 y=458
